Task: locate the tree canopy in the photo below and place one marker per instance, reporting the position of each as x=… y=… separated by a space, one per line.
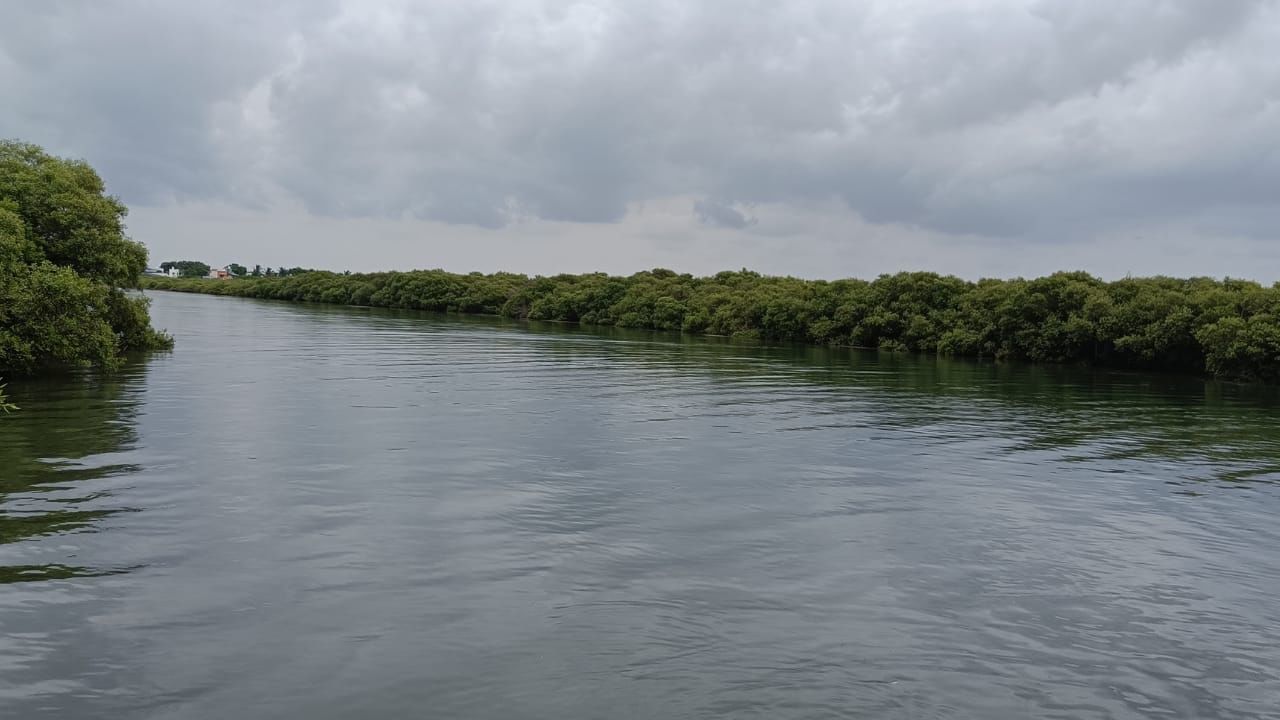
x=1225 y=328
x=187 y=268
x=65 y=263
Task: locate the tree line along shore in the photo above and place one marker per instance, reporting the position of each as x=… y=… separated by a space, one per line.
x=66 y=266
x=1222 y=328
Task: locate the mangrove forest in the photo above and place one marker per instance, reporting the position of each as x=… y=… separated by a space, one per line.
x=1222 y=328
x=66 y=266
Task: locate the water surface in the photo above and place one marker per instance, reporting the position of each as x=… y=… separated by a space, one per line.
x=320 y=512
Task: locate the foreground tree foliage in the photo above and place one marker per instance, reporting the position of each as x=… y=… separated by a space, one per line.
x=1226 y=328
x=64 y=262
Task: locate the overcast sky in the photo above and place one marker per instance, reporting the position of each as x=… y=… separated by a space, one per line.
x=821 y=138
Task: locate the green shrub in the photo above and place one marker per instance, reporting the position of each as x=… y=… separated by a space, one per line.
x=65 y=264
x=1227 y=328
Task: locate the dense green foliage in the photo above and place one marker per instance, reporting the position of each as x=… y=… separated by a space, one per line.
x=187 y=268
x=64 y=259
x=1227 y=328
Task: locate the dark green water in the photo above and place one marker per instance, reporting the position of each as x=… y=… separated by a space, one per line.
x=318 y=512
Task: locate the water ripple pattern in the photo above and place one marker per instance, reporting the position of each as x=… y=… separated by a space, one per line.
x=322 y=512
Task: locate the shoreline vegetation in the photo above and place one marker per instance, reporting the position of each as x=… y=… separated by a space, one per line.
x=66 y=266
x=1228 y=329
x=6 y=407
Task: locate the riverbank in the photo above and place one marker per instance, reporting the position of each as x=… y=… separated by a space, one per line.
x=1222 y=328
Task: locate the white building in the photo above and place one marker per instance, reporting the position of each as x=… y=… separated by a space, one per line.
x=173 y=272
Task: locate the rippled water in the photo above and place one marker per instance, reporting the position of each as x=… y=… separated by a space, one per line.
x=318 y=512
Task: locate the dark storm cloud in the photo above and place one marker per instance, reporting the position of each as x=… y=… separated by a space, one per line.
x=986 y=117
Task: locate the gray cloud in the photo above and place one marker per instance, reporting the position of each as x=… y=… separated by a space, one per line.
x=1034 y=120
x=718 y=214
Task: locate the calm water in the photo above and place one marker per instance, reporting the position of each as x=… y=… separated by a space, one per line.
x=318 y=512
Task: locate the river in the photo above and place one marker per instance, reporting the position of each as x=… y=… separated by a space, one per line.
x=324 y=512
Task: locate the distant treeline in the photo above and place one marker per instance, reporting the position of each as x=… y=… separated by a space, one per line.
x=198 y=269
x=1224 y=328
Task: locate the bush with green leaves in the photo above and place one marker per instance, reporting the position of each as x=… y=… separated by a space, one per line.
x=1224 y=328
x=65 y=266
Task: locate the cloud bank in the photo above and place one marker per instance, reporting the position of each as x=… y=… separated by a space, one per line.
x=985 y=129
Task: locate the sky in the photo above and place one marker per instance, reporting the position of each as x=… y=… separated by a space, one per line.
x=819 y=138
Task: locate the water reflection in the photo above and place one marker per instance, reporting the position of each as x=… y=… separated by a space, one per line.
x=1199 y=434
x=359 y=513
x=1212 y=431
x=59 y=455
